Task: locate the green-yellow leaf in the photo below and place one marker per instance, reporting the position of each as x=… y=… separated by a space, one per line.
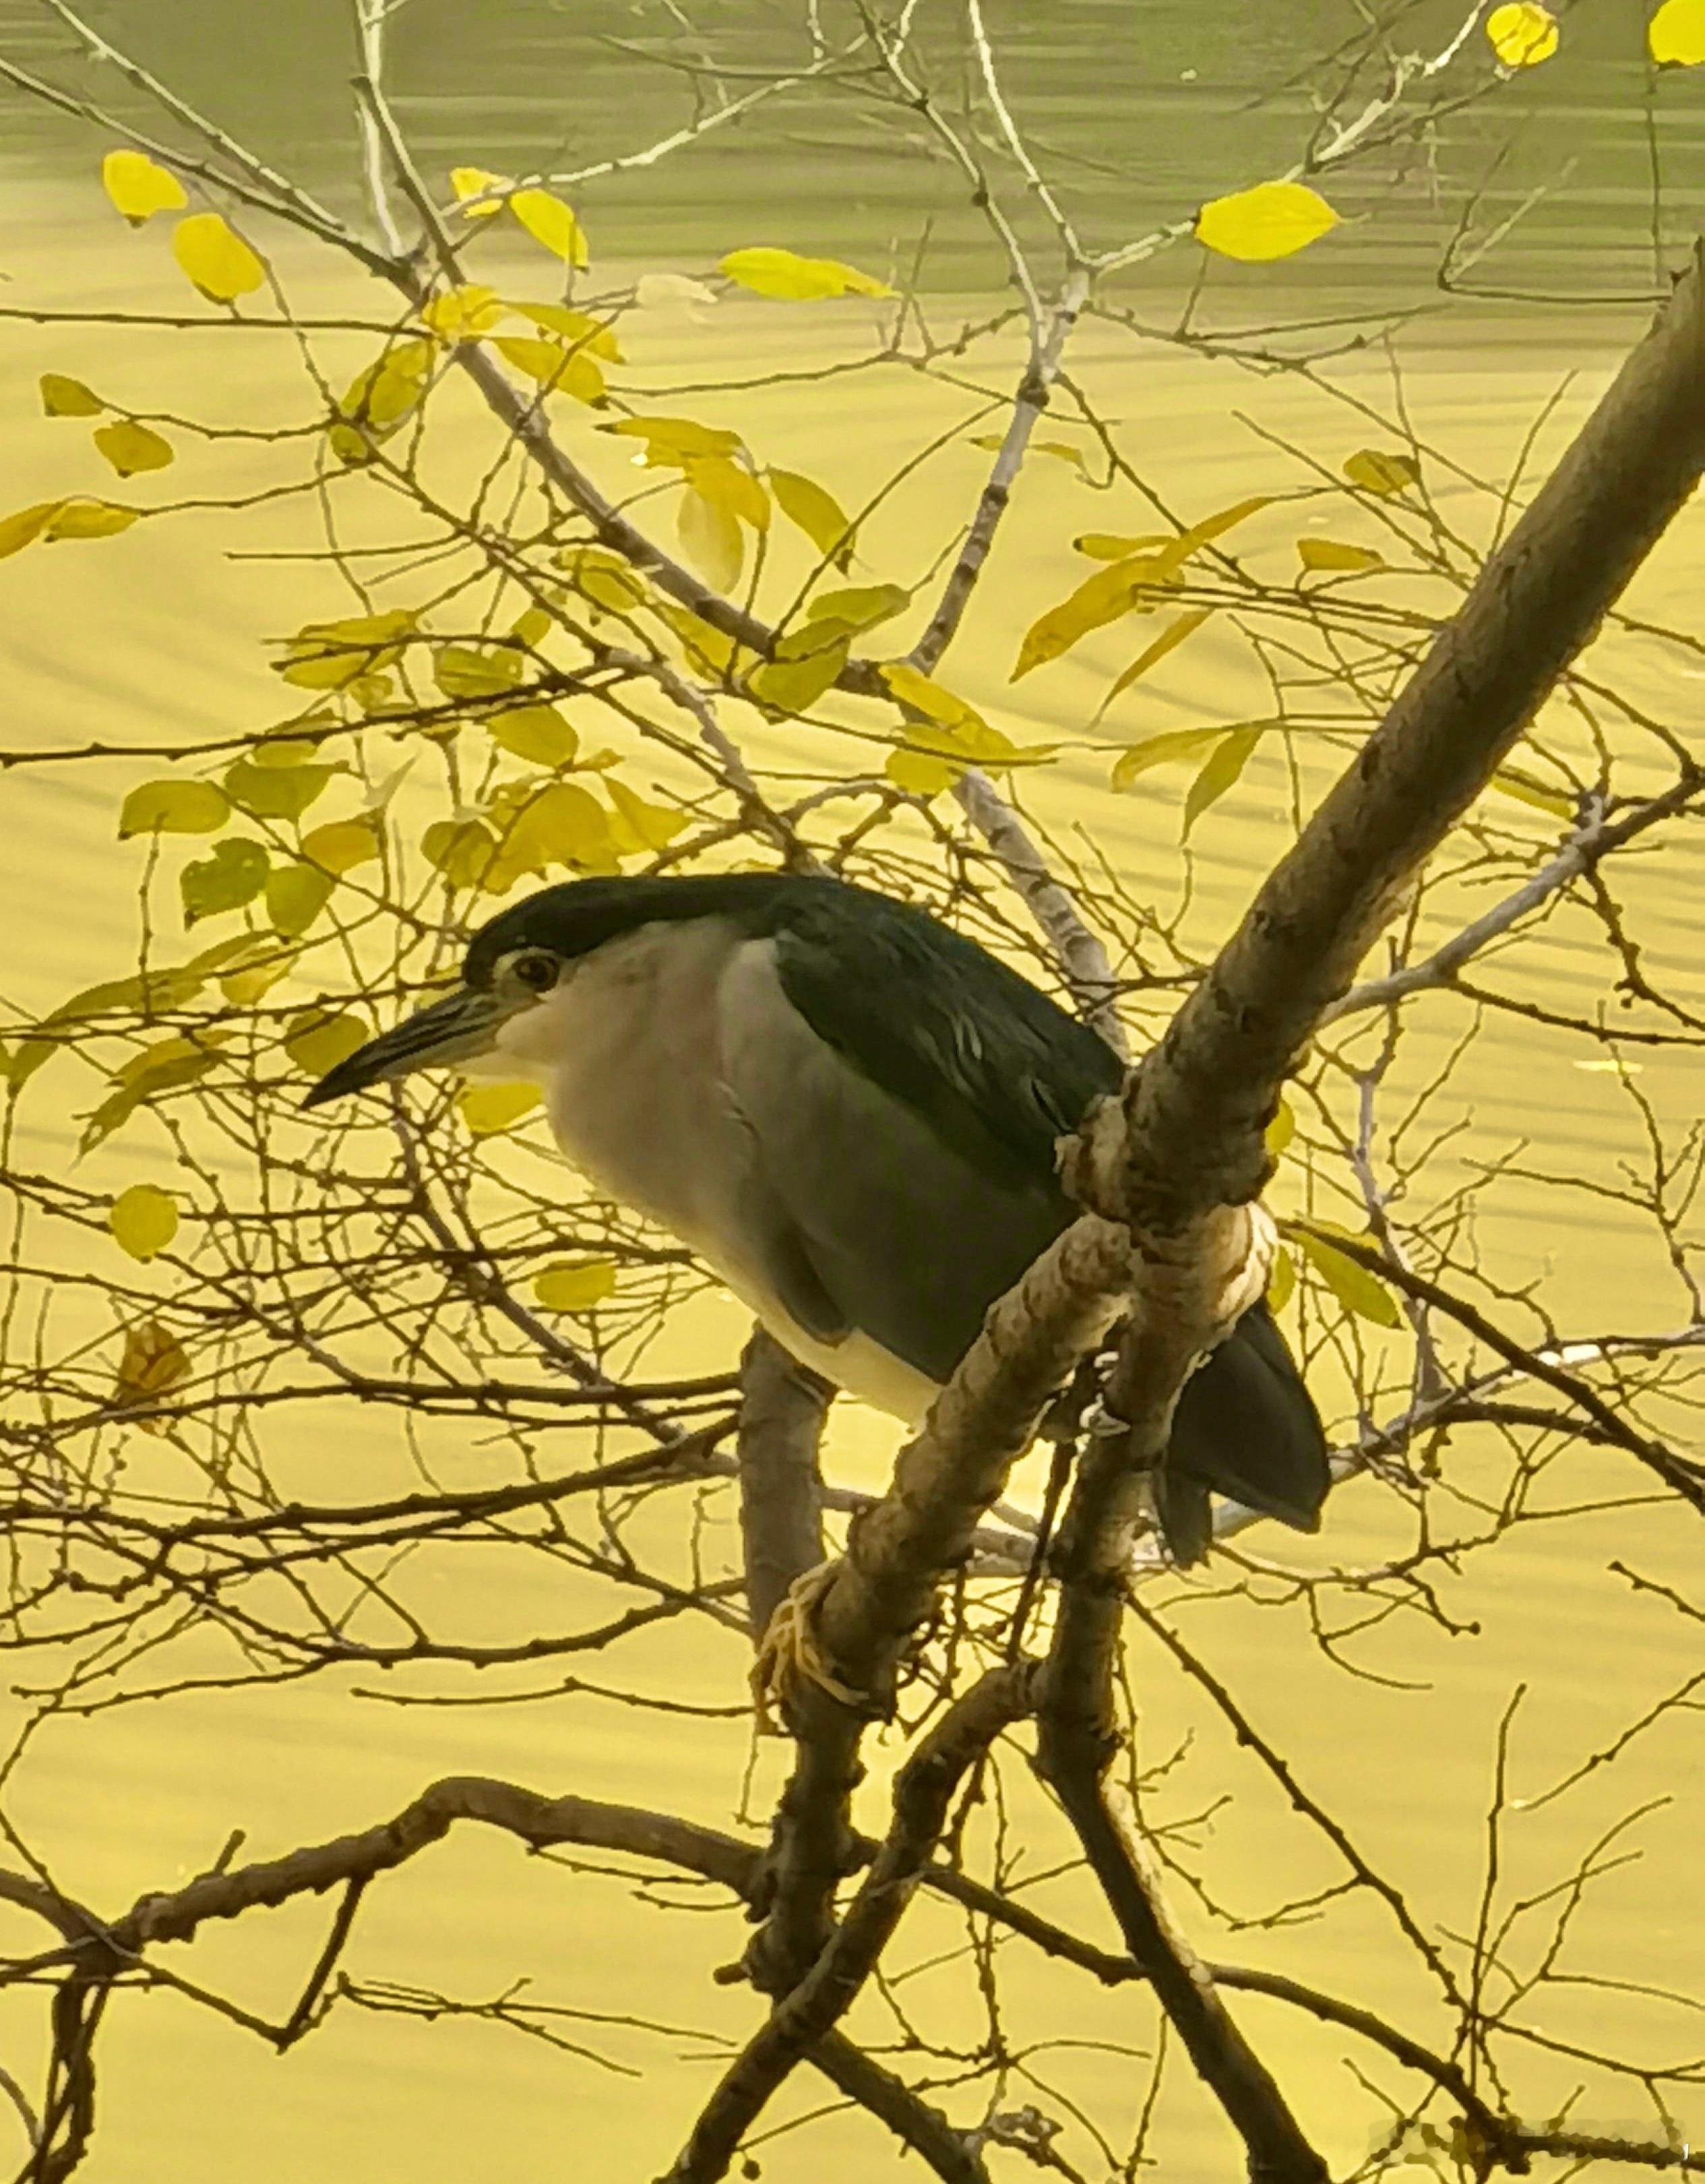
x=1107 y=595
x=531 y=627
x=577 y=328
x=261 y=965
x=1357 y=1289
x=131 y=447
x=89 y=519
x=858 y=607
x=1175 y=744
x=233 y=875
x=794 y=686
x=730 y=487
x=919 y=773
x=1274 y=220
x=68 y=397
x=563 y=824
x=143 y=1220
x=669 y=439
x=1169 y=638
x=490 y=1109
x=1531 y=793
x=559 y=370
x=462 y=849
x=1281 y=1129
x=1675 y=36
x=153 y=1363
x=815 y=511
x=474 y=182
x=340 y=845
x=330 y=656
x=26 y=527
x=461 y=672
x=575 y=1288
x=459 y=313
x=1224 y=767
x=1281 y=1282
x=551 y=222
x=174 y=807
x=637 y=828
x=1522 y=34
x=318 y=1039
x=163 y=1067
x=603 y=577
x=296 y=894
x=1335 y=555
x=1377 y=473
x=711 y=536
x=270 y=792
x=138 y=188
x=535 y=733
x=216 y=259
x=784 y=276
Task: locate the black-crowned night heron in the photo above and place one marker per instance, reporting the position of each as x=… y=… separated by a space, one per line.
x=850 y=1113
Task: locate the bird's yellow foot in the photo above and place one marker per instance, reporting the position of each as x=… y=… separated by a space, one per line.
x=788 y=1654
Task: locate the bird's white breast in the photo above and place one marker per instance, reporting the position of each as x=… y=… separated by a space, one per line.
x=628 y=1049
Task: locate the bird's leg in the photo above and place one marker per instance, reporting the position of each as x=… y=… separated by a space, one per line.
x=788 y=1651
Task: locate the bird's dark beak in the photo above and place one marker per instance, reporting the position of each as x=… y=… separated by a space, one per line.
x=461 y=1026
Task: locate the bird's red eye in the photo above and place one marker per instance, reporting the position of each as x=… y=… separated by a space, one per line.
x=536 y=970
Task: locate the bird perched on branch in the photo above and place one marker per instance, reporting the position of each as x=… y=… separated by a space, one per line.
x=850 y=1112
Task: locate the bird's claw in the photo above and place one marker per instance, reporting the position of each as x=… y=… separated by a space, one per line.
x=788 y=1654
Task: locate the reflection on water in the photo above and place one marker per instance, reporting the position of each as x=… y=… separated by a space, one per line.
x=158 y=638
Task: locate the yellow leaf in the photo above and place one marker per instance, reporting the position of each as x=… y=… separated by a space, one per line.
x=637 y=828
x=816 y=512
x=89 y=519
x=163 y=1067
x=1357 y=1289
x=1161 y=750
x=233 y=875
x=462 y=849
x=264 y=964
x=1377 y=473
x=489 y=1109
x=318 y=1039
x=788 y=278
x=1281 y=1282
x=143 y=1220
x=927 y=696
x=330 y=656
x=174 y=807
x=1281 y=1129
x=919 y=773
x=531 y=627
x=563 y=824
x=129 y=446
x=340 y=845
x=559 y=370
x=858 y=607
x=794 y=686
x=577 y=328
x=1171 y=636
x=1675 y=36
x=474 y=182
x=1111 y=546
x=461 y=670
x=154 y=1362
x=667 y=439
x=1523 y=34
x=1112 y=592
x=575 y=1288
x=463 y=312
x=26 y=527
x=1225 y=766
x=68 y=397
x=216 y=259
x=272 y=792
x=1334 y=554
x=548 y=221
x=730 y=487
x=138 y=188
x=380 y=399
x=603 y=577
x=296 y=894
x=1531 y=793
x=711 y=536
x=537 y=733
x=1272 y=220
